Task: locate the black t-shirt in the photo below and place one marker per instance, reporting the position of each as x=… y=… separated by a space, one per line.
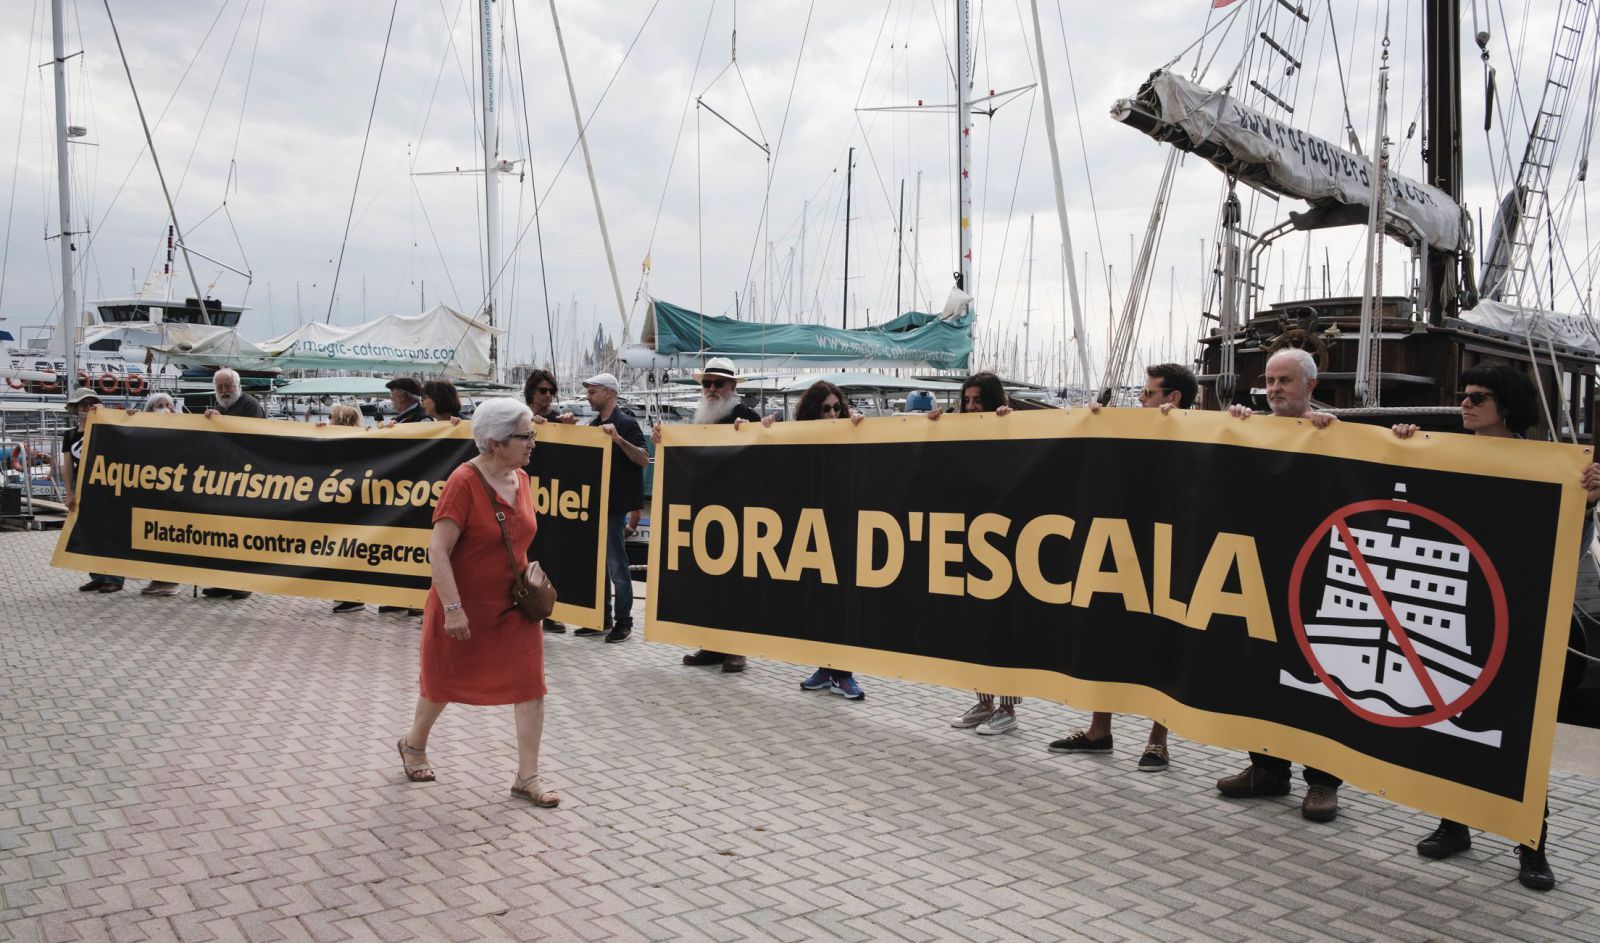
x=740 y=411
x=72 y=447
x=246 y=405
x=627 y=479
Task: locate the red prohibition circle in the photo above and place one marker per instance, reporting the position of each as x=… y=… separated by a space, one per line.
x=1497 y=595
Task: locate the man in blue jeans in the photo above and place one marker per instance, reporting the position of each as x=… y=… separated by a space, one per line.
x=628 y=459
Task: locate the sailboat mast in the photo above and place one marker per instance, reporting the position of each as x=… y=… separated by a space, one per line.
x=849 y=182
x=69 y=299
x=1442 y=28
x=1027 y=308
x=491 y=180
x=594 y=188
x=964 y=136
x=1061 y=196
x=900 y=251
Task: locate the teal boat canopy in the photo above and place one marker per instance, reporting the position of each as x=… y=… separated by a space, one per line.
x=913 y=339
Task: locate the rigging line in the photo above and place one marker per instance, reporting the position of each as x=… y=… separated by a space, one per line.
x=1016 y=185
x=683 y=119
x=248 y=76
x=94 y=230
x=16 y=159
x=944 y=43
x=539 y=205
x=1344 y=88
x=1083 y=147
x=866 y=72
x=446 y=54
x=533 y=186
x=205 y=116
x=772 y=159
x=1227 y=18
x=333 y=290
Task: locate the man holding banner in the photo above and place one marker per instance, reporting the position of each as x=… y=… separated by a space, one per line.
x=628 y=458
x=230 y=400
x=1291 y=376
x=1167 y=386
x=719 y=405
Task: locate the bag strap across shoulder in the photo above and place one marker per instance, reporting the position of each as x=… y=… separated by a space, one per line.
x=499 y=517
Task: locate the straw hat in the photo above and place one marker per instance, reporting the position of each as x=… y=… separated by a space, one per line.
x=719 y=368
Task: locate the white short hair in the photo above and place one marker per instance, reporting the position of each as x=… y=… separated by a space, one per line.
x=496 y=421
x=1308 y=363
x=226 y=372
x=158 y=400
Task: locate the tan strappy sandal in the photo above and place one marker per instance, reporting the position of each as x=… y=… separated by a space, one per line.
x=415 y=772
x=533 y=791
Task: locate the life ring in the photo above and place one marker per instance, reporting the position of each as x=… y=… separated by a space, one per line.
x=83 y=379
x=108 y=383
x=135 y=384
x=14 y=383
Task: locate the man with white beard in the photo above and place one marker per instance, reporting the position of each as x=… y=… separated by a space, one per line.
x=719 y=405
x=230 y=400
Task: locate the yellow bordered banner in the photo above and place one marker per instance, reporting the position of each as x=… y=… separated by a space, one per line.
x=329 y=512
x=1393 y=612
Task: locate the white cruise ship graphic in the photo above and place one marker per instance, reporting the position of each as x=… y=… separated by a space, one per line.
x=1425 y=582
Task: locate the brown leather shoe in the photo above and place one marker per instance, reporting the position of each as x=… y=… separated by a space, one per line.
x=1253 y=781
x=1321 y=803
x=703 y=657
x=733 y=663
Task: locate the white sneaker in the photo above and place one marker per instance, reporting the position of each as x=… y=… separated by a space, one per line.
x=975 y=715
x=999 y=722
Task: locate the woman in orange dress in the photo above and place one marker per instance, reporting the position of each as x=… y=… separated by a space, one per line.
x=477 y=648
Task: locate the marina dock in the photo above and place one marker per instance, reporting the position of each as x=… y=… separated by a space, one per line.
x=202 y=769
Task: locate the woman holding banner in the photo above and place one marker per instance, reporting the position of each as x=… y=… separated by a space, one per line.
x=344 y=414
x=823 y=400
x=477 y=648
x=983 y=393
x=1500 y=402
x=440 y=401
x=159 y=403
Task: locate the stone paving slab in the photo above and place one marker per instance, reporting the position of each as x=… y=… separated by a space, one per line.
x=195 y=769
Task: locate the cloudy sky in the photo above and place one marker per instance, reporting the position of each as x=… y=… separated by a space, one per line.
x=260 y=113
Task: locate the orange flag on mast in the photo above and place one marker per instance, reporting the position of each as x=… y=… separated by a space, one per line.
x=1219 y=4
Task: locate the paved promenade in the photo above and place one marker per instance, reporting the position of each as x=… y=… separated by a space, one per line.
x=200 y=769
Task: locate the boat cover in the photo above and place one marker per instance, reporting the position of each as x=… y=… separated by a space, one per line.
x=442 y=340
x=1274 y=156
x=913 y=339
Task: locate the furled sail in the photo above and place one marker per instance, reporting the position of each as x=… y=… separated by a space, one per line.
x=1273 y=156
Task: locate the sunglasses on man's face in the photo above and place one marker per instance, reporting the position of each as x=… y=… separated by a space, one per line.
x=1148 y=392
x=714 y=384
x=546 y=390
x=1476 y=397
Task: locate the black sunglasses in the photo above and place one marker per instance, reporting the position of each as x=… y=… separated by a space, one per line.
x=545 y=389
x=719 y=384
x=832 y=408
x=1476 y=397
x=524 y=436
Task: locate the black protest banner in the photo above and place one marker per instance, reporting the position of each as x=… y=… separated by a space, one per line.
x=571 y=478
x=1391 y=611
x=252 y=504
